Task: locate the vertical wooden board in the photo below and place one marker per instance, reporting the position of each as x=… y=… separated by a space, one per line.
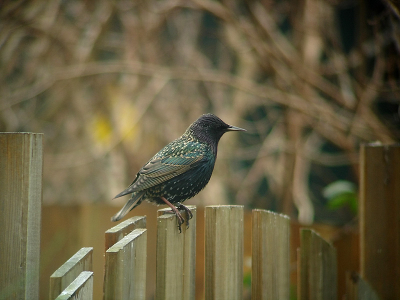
x=125 y=268
x=270 y=255
x=64 y=275
x=380 y=218
x=224 y=252
x=79 y=289
x=137 y=271
x=189 y=254
x=318 y=268
x=21 y=164
x=189 y=257
x=169 y=271
x=117 y=232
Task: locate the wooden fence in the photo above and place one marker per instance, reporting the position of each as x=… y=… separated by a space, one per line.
x=125 y=269
x=126 y=243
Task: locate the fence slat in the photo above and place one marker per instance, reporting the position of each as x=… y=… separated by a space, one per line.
x=380 y=218
x=116 y=233
x=318 y=268
x=21 y=162
x=270 y=255
x=79 y=289
x=125 y=268
x=176 y=257
x=224 y=252
x=358 y=289
x=64 y=275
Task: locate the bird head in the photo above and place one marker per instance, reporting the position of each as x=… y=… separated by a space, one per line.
x=209 y=128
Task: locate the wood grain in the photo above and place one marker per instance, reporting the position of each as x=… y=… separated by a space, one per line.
x=380 y=218
x=21 y=165
x=224 y=252
x=270 y=255
x=176 y=257
x=125 y=268
x=318 y=268
x=70 y=270
x=79 y=289
x=119 y=231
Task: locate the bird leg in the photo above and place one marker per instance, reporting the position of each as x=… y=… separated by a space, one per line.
x=181 y=220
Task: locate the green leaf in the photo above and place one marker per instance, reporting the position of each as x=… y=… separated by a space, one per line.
x=339 y=187
x=341 y=193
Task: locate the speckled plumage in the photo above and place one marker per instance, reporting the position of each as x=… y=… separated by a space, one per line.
x=181 y=169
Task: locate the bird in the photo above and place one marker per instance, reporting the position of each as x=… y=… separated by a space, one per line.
x=180 y=170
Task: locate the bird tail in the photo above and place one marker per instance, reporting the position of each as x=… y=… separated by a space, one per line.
x=136 y=197
x=129 y=190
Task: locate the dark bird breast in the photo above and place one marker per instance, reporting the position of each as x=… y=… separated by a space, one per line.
x=184 y=186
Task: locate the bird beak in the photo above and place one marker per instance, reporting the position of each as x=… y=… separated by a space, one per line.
x=234 y=128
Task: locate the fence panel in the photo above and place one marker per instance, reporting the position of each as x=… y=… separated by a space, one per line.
x=125 y=268
x=21 y=162
x=380 y=218
x=270 y=255
x=224 y=252
x=79 y=289
x=176 y=257
x=318 y=268
x=64 y=275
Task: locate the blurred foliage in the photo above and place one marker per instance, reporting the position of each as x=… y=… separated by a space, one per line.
x=111 y=82
x=341 y=194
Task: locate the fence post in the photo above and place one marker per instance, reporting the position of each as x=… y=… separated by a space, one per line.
x=380 y=218
x=270 y=255
x=224 y=252
x=64 y=275
x=21 y=162
x=318 y=268
x=125 y=269
x=79 y=289
x=176 y=257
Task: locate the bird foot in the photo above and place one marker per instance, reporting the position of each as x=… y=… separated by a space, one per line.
x=179 y=217
x=181 y=220
x=187 y=210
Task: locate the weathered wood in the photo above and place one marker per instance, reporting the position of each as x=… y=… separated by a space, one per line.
x=117 y=232
x=358 y=289
x=318 y=268
x=79 y=289
x=176 y=257
x=21 y=163
x=380 y=218
x=224 y=252
x=125 y=268
x=66 y=274
x=270 y=255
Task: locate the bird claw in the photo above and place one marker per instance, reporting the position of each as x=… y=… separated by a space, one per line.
x=189 y=214
x=187 y=210
x=180 y=219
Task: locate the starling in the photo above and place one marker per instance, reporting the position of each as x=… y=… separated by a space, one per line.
x=180 y=170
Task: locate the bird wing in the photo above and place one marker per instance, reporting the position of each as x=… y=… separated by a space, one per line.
x=162 y=169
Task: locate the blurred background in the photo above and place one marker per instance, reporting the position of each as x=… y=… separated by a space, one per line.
x=110 y=83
